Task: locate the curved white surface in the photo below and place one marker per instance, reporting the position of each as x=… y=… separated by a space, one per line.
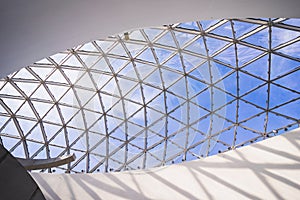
x=32 y=30
x=266 y=170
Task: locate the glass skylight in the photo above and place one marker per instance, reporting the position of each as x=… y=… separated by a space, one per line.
x=164 y=95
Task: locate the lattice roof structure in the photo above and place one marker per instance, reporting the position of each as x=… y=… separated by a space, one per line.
x=156 y=96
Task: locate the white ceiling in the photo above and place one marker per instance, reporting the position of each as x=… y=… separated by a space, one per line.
x=32 y=30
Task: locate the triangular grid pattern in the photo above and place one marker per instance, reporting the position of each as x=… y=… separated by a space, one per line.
x=157 y=96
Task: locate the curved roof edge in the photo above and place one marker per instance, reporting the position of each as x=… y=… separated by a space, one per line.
x=33 y=30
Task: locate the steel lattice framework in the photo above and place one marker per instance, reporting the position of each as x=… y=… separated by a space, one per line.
x=156 y=96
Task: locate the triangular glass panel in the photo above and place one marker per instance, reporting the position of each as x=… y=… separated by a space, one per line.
x=291 y=109
x=241 y=28
x=214 y=45
x=41 y=93
x=27 y=88
x=11 y=129
x=293 y=22
x=26 y=125
x=189 y=25
x=194 y=86
x=73 y=135
x=36 y=134
x=229 y=84
x=228 y=56
x=57 y=90
x=88 y=47
x=67 y=112
x=50 y=130
x=208 y=23
x=281 y=65
x=57 y=77
x=279 y=95
x=26 y=110
x=117 y=64
x=154 y=79
x=126 y=85
x=183 y=38
x=41 y=108
x=53 y=116
x=244 y=135
x=69 y=98
x=292 y=50
x=289 y=81
x=105 y=45
x=73 y=62
x=247 y=83
x=224 y=30
x=136 y=35
x=102 y=65
x=179 y=88
x=10 y=90
x=55 y=151
x=118 y=50
x=33 y=148
x=260 y=38
x=85 y=81
x=59 y=57
x=89 y=60
x=259 y=67
x=152 y=33
x=134 y=49
x=197 y=46
x=147 y=55
x=174 y=63
x=258 y=96
x=218 y=70
x=169 y=77
x=72 y=75
x=282 y=35
x=256 y=123
x=166 y=40
x=19 y=151
x=135 y=95
x=144 y=70
x=246 y=54
x=276 y=122
x=9 y=142
x=162 y=54
x=44 y=61
x=43 y=72
x=227 y=136
x=77 y=121
x=13 y=104
x=191 y=62
x=150 y=92
x=247 y=110
x=24 y=74
x=90 y=117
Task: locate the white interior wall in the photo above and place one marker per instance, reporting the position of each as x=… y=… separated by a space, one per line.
x=269 y=169
x=32 y=30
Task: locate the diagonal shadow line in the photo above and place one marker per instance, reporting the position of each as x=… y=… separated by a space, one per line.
x=137 y=184
x=173 y=186
x=81 y=183
x=257 y=172
x=114 y=190
x=282 y=179
x=200 y=183
x=293 y=141
x=44 y=184
x=278 y=152
x=225 y=183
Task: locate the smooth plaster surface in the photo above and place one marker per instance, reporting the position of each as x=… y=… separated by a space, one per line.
x=269 y=169
x=32 y=30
